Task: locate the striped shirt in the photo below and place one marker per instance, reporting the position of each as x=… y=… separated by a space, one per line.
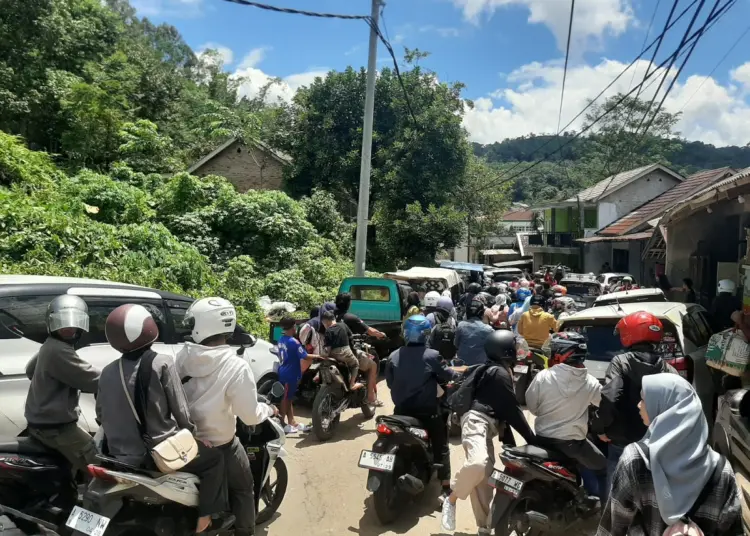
x=632 y=508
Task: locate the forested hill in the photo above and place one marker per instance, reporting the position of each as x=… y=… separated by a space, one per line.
x=692 y=155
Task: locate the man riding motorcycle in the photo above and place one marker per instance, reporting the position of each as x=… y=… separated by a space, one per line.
x=560 y=397
x=471 y=335
x=58 y=376
x=220 y=387
x=431 y=300
x=413 y=375
x=443 y=334
x=617 y=421
x=535 y=324
x=131 y=429
x=493 y=407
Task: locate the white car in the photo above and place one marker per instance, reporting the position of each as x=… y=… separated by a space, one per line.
x=638 y=295
x=23 y=307
x=609 y=279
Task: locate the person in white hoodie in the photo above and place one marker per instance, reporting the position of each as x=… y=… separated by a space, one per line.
x=220 y=387
x=560 y=397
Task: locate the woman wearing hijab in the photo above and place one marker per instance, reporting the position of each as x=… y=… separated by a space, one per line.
x=671 y=482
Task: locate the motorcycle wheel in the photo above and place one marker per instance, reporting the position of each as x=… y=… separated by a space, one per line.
x=512 y=521
x=387 y=499
x=273 y=492
x=521 y=385
x=327 y=399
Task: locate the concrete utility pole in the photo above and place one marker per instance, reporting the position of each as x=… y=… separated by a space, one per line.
x=363 y=208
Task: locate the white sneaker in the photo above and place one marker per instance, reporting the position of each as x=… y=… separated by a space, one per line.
x=289 y=429
x=448 y=520
x=304 y=428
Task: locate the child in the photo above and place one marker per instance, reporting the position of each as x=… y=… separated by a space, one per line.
x=292 y=355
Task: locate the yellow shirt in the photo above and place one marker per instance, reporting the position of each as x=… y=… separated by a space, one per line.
x=535 y=326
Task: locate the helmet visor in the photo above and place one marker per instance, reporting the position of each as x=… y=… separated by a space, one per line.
x=68 y=318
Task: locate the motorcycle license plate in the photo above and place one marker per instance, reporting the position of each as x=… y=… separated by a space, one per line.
x=377 y=461
x=521 y=369
x=506 y=484
x=87 y=522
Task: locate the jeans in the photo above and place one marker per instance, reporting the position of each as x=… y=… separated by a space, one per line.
x=436 y=425
x=613 y=456
x=239 y=479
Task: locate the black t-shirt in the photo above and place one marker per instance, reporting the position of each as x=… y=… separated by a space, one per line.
x=337 y=336
x=355 y=323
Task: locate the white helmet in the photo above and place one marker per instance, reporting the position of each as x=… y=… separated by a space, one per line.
x=431 y=298
x=727 y=285
x=210 y=316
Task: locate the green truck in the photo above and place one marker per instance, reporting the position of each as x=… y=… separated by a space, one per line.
x=380 y=302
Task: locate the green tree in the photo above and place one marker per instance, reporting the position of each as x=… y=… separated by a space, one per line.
x=144 y=150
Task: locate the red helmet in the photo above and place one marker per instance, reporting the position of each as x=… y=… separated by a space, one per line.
x=639 y=327
x=130 y=327
x=559 y=288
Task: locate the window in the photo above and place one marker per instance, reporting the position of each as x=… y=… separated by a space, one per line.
x=177 y=310
x=590 y=218
x=582 y=289
x=370 y=293
x=24 y=317
x=99 y=310
x=696 y=327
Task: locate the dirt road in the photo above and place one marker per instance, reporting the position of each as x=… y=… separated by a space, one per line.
x=327 y=495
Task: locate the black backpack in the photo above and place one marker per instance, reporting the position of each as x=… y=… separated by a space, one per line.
x=460 y=401
x=443 y=337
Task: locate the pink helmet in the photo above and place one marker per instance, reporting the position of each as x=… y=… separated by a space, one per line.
x=524 y=283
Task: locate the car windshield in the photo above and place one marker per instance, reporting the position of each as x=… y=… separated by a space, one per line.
x=604 y=344
x=632 y=299
x=582 y=289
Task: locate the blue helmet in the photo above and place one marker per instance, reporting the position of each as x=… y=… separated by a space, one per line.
x=416 y=329
x=522 y=294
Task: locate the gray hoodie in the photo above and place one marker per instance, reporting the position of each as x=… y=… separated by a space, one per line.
x=166 y=415
x=560 y=397
x=57 y=377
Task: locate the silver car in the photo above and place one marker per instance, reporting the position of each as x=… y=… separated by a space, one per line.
x=23 y=305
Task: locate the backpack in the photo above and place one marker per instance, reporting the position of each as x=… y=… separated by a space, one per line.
x=443 y=336
x=460 y=401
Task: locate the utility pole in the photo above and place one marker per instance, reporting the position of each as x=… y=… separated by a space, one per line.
x=363 y=208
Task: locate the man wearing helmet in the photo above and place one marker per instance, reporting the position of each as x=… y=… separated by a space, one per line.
x=617 y=421
x=220 y=387
x=471 y=335
x=413 y=375
x=470 y=295
x=58 y=376
x=154 y=407
x=560 y=397
x=431 y=300
x=492 y=409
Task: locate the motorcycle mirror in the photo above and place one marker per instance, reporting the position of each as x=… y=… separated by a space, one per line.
x=277 y=390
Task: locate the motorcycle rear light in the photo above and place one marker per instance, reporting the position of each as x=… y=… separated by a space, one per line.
x=384 y=430
x=559 y=469
x=421 y=433
x=678 y=363
x=101 y=473
x=512 y=466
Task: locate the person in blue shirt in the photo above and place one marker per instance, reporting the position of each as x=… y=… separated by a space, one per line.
x=471 y=335
x=292 y=355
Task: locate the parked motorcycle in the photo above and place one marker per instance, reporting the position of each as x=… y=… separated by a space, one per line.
x=334 y=396
x=538 y=491
x=123 y=500
x=37 y=486
x=400 y=464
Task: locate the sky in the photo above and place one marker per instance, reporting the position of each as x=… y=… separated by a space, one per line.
x=509 y=53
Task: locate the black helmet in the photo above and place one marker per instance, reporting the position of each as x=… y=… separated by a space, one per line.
x=568 y=347
x=500 y=346
x=474 y=288
x=475 y=309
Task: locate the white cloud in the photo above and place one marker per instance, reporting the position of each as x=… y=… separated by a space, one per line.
x=441 y=31
x=593 y=18
x=530 y=99
x=280 y=89
x=742 y=75
x=225 y=53
x=254 y=57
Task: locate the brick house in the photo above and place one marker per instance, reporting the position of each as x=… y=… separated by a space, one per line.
x=251 y=166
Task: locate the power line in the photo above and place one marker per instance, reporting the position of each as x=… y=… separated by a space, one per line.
x=645 y=39
x=598 y=96
x=291 y=11
x=501 y=179
x=565 y=69
x=724 y=57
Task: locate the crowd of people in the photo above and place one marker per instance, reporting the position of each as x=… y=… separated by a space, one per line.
x=640 y=441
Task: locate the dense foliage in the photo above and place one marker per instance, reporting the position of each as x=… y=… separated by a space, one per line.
x=188 y=235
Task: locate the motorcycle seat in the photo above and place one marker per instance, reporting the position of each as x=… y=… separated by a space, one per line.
x=114 y=463
x=25 y=445
x=402 y=420
x=536 y=453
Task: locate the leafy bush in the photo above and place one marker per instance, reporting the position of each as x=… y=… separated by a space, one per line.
x=114 y=202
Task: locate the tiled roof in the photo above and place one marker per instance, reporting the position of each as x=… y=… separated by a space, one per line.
x=615 y=182
x=518 y=215
x=657 y=206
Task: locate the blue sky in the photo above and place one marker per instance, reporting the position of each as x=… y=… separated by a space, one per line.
x=508 y=52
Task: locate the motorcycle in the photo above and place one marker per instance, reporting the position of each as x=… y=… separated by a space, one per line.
x=538 y=491
x=308 y=388
x=334 y=396
x=37 y=486
x=529 y=362
x=400 y=464
x=124 y=500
